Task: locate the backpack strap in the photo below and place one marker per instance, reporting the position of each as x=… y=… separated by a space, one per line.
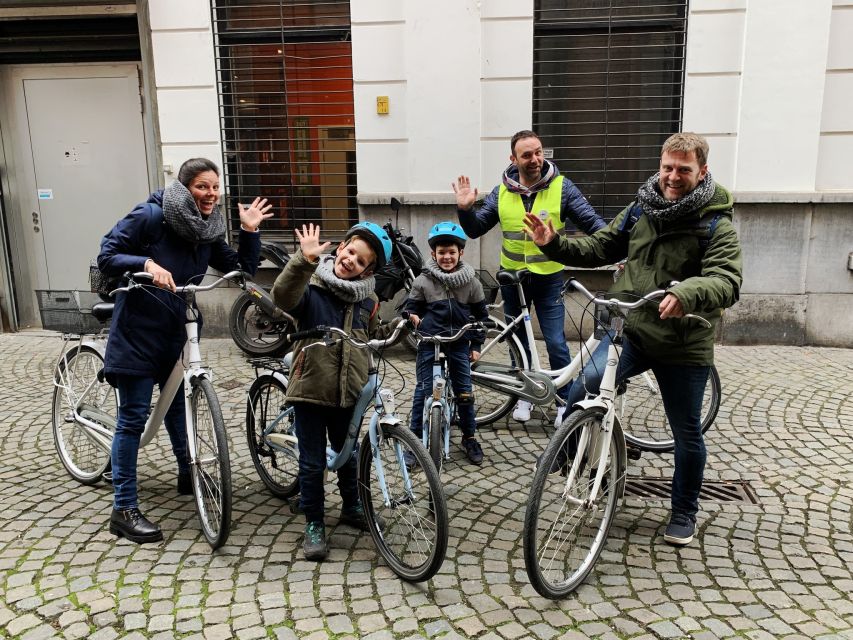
x=635 y=212
x=705 y=240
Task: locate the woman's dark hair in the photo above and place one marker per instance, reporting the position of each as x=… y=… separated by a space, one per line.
x=194 y=166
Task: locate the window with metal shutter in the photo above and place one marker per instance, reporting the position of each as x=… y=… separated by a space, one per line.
x=608 y=83
x=286 y=112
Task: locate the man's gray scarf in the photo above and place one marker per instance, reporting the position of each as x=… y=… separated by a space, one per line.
x=549 y=170
x=460 y=276
x=348 y=290
x=183 y=216
x=659 y=208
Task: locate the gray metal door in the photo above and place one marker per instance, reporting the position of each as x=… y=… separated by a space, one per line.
x=88 y=163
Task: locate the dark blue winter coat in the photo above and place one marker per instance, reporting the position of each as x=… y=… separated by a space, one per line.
x=147 y=331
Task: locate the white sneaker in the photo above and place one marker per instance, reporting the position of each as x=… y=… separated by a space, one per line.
x=559 y=419
x=521 y=413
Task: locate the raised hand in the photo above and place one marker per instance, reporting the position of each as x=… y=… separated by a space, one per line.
x=539 y=233
x=465 y=195
x=252 y=216
x=309 y=242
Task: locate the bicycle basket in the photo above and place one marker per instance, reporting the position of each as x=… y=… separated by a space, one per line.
x=68 y=311
x=490 y=285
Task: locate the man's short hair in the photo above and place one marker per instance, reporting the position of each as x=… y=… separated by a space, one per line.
x=686 y=142
x=521 y=135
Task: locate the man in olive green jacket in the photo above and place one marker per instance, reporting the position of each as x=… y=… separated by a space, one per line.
x=678 y=229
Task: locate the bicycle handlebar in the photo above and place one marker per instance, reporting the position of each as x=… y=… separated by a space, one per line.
x=187 y=288
x=478 y=324
x=326 y=332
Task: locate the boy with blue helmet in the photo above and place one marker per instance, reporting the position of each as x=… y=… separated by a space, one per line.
x=335 y=290
x=443 y=298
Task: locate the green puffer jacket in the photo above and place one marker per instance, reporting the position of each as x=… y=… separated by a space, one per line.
x=657 y=253
x=330 y=376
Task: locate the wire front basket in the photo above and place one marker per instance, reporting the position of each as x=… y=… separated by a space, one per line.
x=68 y=311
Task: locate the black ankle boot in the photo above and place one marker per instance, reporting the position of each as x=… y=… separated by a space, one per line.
x=131 y=524
x=185 y=483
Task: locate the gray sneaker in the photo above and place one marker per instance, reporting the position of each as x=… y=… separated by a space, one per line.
x=314 y=544
x=680 y=529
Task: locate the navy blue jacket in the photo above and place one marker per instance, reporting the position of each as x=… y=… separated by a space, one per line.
x=573 y=207
x=147 y=331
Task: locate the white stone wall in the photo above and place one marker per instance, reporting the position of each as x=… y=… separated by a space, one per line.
x=185 y=81
x=769 y=82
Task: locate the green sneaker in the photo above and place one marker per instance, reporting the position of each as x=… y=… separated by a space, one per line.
x=314 y=544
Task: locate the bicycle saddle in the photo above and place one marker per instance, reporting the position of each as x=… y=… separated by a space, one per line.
x=103 y=311
x=510 y=277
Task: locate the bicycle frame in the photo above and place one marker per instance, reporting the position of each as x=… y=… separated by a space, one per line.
x=442 y=396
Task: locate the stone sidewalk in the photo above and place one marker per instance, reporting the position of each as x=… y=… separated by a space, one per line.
x=777 y=569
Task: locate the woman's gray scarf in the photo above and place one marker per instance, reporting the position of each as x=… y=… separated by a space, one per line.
x=183 y=216
x=460 y=276
x=348 y=290
x=659 y=208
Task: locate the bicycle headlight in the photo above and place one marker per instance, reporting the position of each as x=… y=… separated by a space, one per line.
x=386 y=397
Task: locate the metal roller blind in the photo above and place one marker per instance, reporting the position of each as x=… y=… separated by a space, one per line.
x=286 y=112
x=608 y=81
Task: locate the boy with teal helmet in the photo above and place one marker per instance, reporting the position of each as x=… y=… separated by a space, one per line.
x=443 y=298
x=335 y=290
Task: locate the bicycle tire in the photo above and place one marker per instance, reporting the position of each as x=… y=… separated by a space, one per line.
x=249 y=326
x=84 y=460
x=211 y=469
x=563 y=538
x=493 y=405
x=277 y=464
x=643 y=416
x=410 y=533
x=436 y=436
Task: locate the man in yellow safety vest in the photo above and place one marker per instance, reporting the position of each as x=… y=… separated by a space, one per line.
x=530 y=184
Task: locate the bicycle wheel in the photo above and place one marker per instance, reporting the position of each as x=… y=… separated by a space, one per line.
x=255 y=332
x=410 y=531
x=563 y=535
x=493 y=405
x=78 y=385
x=211 y=469
x=269 y=429
x=644 y=418
x=436 y=436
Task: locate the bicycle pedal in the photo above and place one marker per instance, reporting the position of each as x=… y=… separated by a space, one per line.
x=634 y=453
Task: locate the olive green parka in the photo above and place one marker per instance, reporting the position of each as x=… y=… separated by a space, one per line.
x=707 y=264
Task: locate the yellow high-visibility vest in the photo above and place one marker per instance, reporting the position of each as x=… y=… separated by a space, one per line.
x=518 y=250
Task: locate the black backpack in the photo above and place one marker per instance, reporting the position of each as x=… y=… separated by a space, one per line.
x=100 y=282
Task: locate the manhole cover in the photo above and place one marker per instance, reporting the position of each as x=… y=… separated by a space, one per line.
x=228 y=385
x=712 y=491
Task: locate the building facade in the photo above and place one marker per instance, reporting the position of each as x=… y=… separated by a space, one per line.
x=332 y=108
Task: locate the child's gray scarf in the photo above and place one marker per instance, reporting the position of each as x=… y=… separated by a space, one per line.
x=182 y=215
x=459 y=277
x=348 y=290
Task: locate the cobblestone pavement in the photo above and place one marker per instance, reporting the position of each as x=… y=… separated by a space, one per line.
x=778 y=569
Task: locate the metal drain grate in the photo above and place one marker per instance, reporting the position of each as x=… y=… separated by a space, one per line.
x=229 y=385
x=716 y=491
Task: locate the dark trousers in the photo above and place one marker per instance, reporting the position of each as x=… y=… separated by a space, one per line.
x=134 y=406
x=312 y=423
x=460 y=378
x=543 y=293
x=682 y=388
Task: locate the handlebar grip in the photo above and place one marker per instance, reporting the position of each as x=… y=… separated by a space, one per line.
x=489 y=324
x=316 y=332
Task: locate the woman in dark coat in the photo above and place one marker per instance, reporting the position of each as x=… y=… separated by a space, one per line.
x=175 y=235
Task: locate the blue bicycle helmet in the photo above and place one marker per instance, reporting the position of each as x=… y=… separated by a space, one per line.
x=376 y=237
x=446 y=233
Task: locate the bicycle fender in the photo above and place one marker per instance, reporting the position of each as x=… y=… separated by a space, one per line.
x=278 y=375
x=589 y=403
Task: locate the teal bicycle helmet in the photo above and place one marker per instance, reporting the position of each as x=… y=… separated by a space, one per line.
x=446 y=233
x=376 y=237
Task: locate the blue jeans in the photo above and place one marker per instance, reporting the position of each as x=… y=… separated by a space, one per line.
x=460 y=379
x=543 y=293
x=134 y=394
x=682 y=387
x=312 y=423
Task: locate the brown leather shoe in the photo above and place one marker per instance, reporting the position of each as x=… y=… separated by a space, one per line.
x=131 y=524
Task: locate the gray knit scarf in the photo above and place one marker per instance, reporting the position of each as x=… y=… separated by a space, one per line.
x=347 y=290
x=460 y=276
x=659 y=208
x=549 y=170
x=183 y=216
